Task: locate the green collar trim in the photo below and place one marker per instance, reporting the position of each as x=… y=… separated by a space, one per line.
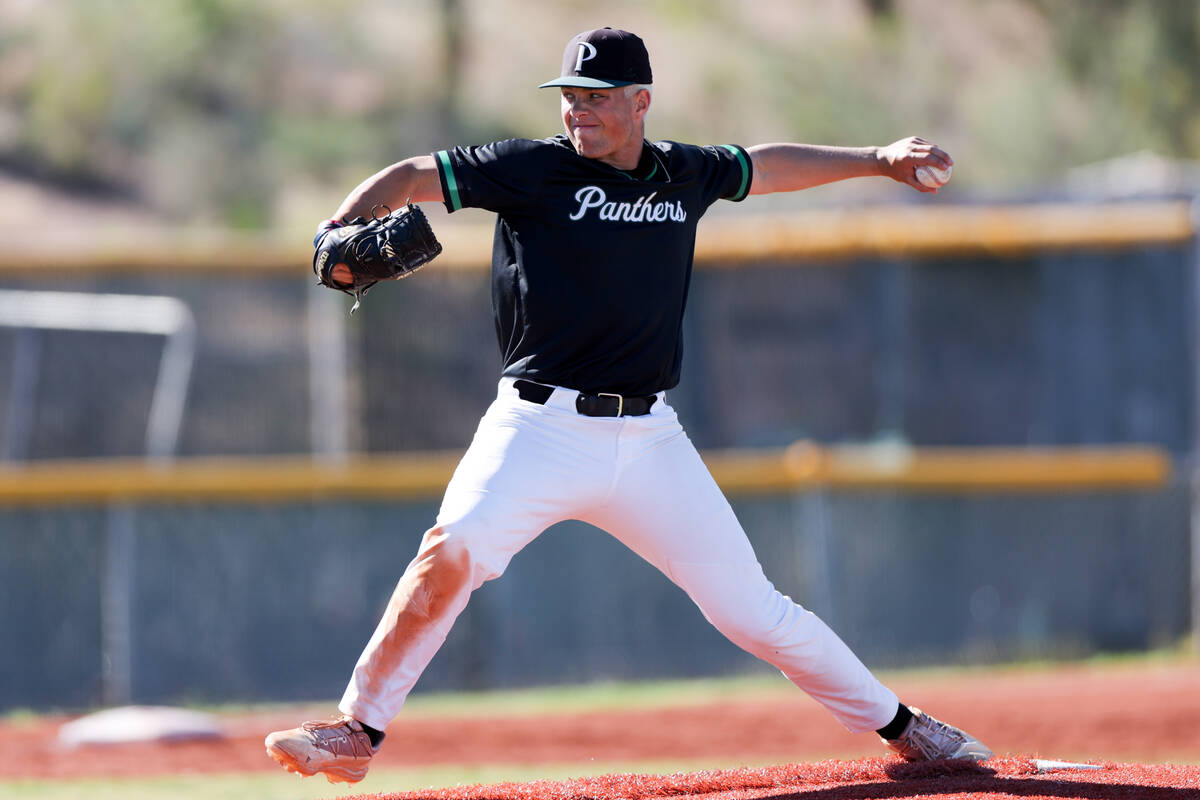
x=632 y=174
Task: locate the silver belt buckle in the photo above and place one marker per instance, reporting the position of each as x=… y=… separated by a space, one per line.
x=620 y=400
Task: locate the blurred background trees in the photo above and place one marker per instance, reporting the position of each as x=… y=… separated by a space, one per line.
x=261 y=115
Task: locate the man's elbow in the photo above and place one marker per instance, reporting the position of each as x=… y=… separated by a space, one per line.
x=415 y=179
x=760 y=176
x=759 y=184
x=764 y=182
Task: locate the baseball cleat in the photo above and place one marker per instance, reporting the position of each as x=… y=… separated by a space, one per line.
x=339 y=748
x=929 y=739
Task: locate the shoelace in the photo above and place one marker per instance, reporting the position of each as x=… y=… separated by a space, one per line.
x=935 y=738
x=329 y=734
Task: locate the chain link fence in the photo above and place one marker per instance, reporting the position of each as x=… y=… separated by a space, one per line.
x=1059 y=343
x=274 y=602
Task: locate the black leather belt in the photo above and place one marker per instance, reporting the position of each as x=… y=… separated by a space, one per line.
x=602 y=404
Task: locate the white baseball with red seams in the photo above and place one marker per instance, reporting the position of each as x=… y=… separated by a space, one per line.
x=637 y=477
x=933 y=177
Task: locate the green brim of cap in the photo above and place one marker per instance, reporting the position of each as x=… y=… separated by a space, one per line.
x=586 y=83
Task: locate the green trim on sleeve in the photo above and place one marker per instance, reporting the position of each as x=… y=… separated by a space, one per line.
x=454 y=199
x=741 y=157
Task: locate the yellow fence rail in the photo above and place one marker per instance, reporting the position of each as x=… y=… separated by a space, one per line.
x=802 y=466
x=928 y=230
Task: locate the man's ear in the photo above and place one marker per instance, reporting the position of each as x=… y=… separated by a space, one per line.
x=641 y=103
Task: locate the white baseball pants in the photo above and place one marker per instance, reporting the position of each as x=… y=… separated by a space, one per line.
x=639 y=478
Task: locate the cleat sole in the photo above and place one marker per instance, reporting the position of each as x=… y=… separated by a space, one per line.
x=332 y=774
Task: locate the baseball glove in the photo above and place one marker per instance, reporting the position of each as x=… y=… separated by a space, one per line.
x=378 y=249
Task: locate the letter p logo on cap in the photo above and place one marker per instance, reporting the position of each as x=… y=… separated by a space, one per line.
x=586 y=53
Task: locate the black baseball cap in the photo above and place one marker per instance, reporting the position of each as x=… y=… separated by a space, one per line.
x=603 y=59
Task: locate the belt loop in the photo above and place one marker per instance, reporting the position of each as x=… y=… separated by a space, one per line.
x=533 y=392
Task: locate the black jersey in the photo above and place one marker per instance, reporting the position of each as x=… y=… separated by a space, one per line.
x=590 y=264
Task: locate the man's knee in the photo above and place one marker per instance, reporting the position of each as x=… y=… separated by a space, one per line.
x=457 y=553
x=741 y=603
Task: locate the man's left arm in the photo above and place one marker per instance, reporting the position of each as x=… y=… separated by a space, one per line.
x=790 y=167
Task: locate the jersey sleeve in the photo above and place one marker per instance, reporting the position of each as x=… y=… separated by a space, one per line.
x=500 y=176
x=728 y=172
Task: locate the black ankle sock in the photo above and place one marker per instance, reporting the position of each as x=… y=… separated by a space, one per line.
x=896 y=727
x=374 y=735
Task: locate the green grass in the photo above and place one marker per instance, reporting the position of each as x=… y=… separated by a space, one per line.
x=598 y=696
x=618 y=695
x=549 y=700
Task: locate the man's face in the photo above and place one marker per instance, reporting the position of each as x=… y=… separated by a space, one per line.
x=603 y=122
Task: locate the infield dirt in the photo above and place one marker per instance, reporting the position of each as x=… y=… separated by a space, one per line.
x=1143 y=712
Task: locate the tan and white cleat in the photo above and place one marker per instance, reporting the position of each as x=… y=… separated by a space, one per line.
x=929 y=739
x=337 y=748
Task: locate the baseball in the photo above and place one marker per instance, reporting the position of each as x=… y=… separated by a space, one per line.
x=933 y=177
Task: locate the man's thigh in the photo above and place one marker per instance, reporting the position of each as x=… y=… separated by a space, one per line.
x=667 y=507
x=527 y=468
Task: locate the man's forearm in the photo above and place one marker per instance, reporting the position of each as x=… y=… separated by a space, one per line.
x=414 y=179
x=782 y=167
x=789 y=167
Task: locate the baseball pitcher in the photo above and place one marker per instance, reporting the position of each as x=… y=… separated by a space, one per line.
x=595 y=233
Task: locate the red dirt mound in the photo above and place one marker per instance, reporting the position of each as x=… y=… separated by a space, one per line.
x=868 y=779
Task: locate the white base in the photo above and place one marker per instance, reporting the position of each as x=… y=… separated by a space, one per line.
x=139 y=724
x=1047 y=765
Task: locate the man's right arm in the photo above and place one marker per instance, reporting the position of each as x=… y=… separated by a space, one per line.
x=413 y=179
x=789 y=167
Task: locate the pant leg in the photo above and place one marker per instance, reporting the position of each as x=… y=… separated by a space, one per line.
x=667 y=508
x=526 y=468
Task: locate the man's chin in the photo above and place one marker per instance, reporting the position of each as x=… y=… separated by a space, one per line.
x=586 y=147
